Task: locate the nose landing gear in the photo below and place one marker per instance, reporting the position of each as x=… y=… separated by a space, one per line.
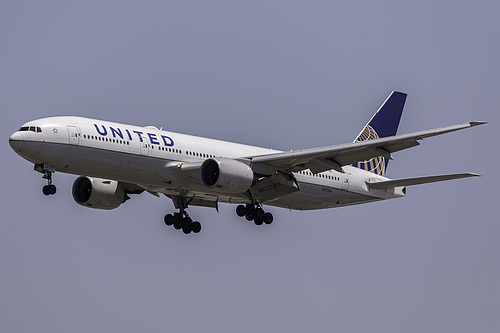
x=47 y=170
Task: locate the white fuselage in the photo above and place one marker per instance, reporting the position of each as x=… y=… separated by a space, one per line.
x=147 y=156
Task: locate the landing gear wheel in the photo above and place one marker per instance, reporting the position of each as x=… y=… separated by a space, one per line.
x=268 y=218
x=259 y=214
x=169 y=219
x=187 y=223
x=49 y=189
x=177 y=225
x=45 y=190
x=250 y=208
x=241 y=211
x=196 y=227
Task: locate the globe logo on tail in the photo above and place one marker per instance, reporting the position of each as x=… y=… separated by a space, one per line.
x=375 y=164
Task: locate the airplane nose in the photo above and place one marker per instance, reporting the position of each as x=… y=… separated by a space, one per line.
x=16 y=141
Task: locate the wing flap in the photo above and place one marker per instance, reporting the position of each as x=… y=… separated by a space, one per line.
x=417 y=180
x=276 y=186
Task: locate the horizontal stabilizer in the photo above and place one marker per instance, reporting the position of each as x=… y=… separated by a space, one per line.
x=417 y=180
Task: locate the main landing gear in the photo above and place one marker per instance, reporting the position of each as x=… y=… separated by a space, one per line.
x=253 y=212
x=181 y=220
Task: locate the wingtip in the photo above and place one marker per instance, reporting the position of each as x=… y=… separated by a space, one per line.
x=399 y=92
x=477 y=123
x=469 y=174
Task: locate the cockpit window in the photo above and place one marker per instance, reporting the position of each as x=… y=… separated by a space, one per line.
x=35 y=129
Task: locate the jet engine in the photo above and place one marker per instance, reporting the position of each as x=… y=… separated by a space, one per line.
x=98 y=193
x=226 y=175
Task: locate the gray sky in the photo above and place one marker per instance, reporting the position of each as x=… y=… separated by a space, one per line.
x=279 y=74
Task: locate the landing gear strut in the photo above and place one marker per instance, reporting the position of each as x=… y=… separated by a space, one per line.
x=255 y=213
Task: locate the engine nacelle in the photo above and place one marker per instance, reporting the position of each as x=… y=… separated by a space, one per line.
x=226 y=175
x=98 y=193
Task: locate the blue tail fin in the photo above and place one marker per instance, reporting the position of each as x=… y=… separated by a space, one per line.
x=384 y=123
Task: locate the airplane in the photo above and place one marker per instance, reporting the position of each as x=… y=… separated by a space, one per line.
x=115 y=160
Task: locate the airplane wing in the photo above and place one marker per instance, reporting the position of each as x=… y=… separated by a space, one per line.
x=334 y=157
